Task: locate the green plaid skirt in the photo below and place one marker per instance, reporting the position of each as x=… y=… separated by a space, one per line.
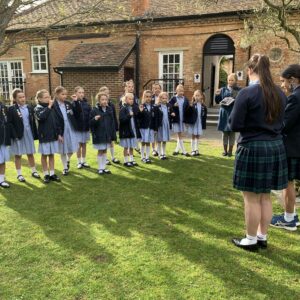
x=293 y=168
x=260 y=166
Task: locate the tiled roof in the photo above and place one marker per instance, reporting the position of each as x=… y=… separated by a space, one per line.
x=66 y=11
x=98 y=55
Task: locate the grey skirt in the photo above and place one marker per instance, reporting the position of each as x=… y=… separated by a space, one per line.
x=25 y=145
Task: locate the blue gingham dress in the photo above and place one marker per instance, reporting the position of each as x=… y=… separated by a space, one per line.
x=25 y=145
x=196 y=129
x=163 y=134
x=147 y=133
x=179 y=127
x=70 y=144
x=83 y=136
x=130 y=143
x=4 y=154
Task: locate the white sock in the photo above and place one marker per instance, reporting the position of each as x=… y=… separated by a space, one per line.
x=261 y=237
x=79 y=161
x=83 y=160
x=178 y=145
x=289 y=217
x=197 y=145
x=182 y=146
x=46 y=172
x=192 y=145
x=147 y=152
x=33 y=169
x=164 y=145
x=142 y=151
x=126 y=159
x=19 y=172
x=103 y=161
x=249 y=240
x=112 y=152
x=131 y=158
x=52 y=172
x=99 y=159
x=64 y=160
x=2 y=177
x=159 y=149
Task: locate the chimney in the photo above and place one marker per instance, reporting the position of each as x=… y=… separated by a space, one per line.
x=139 y=7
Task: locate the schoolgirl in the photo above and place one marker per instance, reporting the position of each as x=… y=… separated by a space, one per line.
x=49 y=134
x=25 y=133
x=5 y=140
x=164 y=124
x=195 y=118
x=83 y=125
x=129 y=132
x=148 y=125
x=156 y=90
x=103 y=130
x=179 y=103
x=66 y=114
x=105 y=90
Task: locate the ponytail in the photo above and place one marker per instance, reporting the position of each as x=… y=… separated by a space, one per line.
x=260 y=64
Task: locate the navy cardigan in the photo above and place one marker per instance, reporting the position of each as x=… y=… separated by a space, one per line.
x=125 y=128
x=6 y=130
x=175 y=109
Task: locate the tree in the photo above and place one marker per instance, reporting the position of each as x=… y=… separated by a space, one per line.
x=277 y=17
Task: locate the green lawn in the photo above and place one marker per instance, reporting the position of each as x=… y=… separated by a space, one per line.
x=159 y=231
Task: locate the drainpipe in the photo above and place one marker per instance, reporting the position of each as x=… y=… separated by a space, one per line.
x=49 y=65
x=60 y=74
x=137 y=59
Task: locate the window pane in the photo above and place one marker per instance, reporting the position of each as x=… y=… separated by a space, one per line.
x=42 y=51
x=35 y=51
x=165 y=59
x=177 y=68
x=43 y=58
x=36 y=66
x=171 y=69
x=177 y=58
x=171 y=58
x=165 y=69
x=43 y=66
x=36 y=59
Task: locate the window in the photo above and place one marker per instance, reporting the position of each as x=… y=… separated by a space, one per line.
x=11 y=77
x=170 y=71
x=39 y=59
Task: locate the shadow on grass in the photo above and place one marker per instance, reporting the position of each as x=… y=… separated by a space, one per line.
x=163 y=201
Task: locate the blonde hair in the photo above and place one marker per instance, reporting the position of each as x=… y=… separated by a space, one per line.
x=103 y=89
x=39 y=95
x=77 y=88
x=179 y=86
x=203 y=101
x=59 y=89
x=99 y=95
x=144 y=95
x=234 y=76
x=158 y=100
x=126 y=95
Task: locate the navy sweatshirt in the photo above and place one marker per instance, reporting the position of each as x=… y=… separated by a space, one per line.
x=248 y=116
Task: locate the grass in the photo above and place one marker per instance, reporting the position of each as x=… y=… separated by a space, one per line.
x=159 y=231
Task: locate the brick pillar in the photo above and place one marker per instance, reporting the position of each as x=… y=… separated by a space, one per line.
x=139 y=7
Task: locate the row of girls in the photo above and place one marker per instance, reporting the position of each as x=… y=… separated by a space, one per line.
x=63 y=127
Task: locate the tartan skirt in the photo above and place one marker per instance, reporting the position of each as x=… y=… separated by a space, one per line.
x=260 y=166
x=293 y=168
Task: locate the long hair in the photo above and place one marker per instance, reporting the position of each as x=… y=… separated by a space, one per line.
x=291 y=71
x=144 y=95
x=260 y=64
x=15 y=93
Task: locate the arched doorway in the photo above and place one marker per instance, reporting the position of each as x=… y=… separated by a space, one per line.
x=218 y=61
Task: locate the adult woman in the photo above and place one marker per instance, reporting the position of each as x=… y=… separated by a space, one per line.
x=231 y=90
x=290 y=78
x=260 y=164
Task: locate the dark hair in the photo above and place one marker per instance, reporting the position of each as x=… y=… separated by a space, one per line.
x=291 y=71
x=260 y=64
x=15 y=93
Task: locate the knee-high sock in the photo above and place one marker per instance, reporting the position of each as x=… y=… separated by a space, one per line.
x=147 y=152
x=164 y=149
x=64 y=160
x=197 y=144
x=99 y=159
x=178 y=145
x=112 y=152
x=193 y=144
x=182 y=146
x=103 y=161
x=159 y=149
x=142 y=151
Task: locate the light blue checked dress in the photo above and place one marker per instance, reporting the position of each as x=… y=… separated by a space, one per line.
x=196 y=129
x=147 y=133
x=70 y=144
x=164 y=134
x=4 y=154
x=179 y=127
x=25 y=145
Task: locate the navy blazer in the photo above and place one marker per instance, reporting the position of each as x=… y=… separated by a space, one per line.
x=125 y=128
x=73 y=112
x=6 y=130
x=103 y=130
x=135 y=100
x=148 y=118
x=48 y=123
x=291 y=130
x=112 y=106
x=17 y=121
x=175 y=109
x=83 y=116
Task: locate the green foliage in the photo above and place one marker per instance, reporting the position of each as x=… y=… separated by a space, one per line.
x=159 y=231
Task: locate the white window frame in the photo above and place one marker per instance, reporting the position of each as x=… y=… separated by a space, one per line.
x=39 y=71
x=161 y=63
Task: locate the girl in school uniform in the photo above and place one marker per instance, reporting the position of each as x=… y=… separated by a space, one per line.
x=103 y=130
x=48 y=134
x=25 y=133
x=5 y=140
x=66 y=114
x=195 y=120
x=105 y=90
x=83 y=125
x=179 y=103
x=147 y=124
x=260 y=164
x=164 y=124
x=129 y=132
x=156 y=90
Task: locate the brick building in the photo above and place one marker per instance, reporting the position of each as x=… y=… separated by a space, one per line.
x=149 y=41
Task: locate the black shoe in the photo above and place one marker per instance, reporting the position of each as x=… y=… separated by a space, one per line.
x=224 y=153
x=128 y=165
x=262 y=244
x=35 y=175
x=65 y=172
x=148 y=161
x=154 y=153
x=116 y=161
x=175 y=153
x=101 y=172
x=106 y=171
x=21 y=178
x=134 y=164
x=186 y=154
x=108 y=163
x=4 y=184
x=54 y=177
x=229 y=154
x=237 y=242
x=46 y=179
